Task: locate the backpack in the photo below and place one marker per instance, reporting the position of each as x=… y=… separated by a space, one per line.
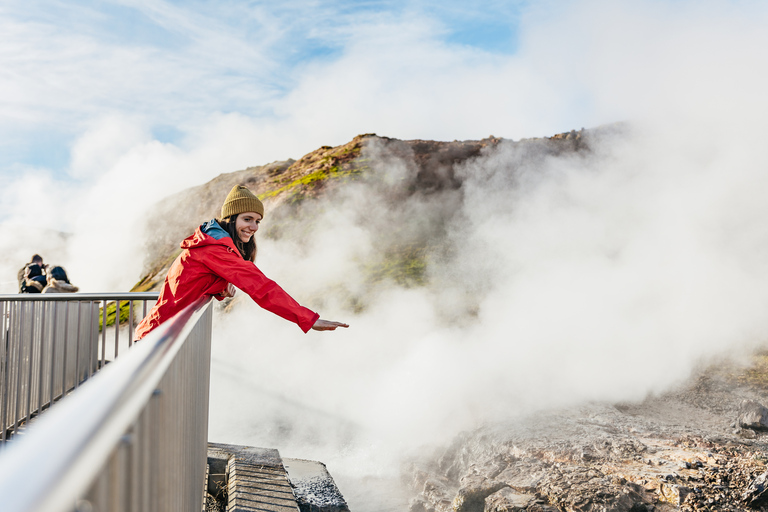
x=33 y=284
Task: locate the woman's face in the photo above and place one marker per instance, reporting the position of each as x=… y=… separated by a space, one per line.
x=246 y=225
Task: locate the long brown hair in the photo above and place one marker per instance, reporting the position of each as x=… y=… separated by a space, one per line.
x=247 y=250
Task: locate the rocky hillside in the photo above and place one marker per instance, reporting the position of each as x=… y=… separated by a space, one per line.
x=288 y=188
x=699 y=448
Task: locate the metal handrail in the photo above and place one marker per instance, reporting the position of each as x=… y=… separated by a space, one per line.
x=49 y=345
x=57 y=460
x=68 y=297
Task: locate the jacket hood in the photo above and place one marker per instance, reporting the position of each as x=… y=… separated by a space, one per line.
x=59 y=286
x=210 y=233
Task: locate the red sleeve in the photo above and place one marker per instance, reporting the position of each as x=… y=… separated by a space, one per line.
x=266 y=293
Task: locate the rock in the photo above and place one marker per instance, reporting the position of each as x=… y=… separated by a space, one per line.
x=436 y=493
x=419 y=505
x=757 y=491
x=581 y=489
x=674 y=494
x=752 y=415
x=508 y=500
x=472 y=494
x=522 y=476
x=314 y=487
x=747 y=433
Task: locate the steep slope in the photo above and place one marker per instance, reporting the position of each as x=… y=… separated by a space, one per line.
x=430 y=168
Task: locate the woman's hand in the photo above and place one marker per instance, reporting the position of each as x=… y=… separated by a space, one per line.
x=327 y=325
x=229 y=292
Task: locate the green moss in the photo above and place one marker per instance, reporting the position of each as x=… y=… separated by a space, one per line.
x=339 y=164
x=755 y=375
x=406 y=266
x=124 y=312
x=145 y=284
x=310 y=180
x=347 y=151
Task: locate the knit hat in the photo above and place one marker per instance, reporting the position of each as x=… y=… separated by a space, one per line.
x=241 y=200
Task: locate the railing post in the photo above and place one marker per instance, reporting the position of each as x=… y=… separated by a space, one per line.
x=19 y=359
x=41 y=370
x=4 y=350
x=54 y=332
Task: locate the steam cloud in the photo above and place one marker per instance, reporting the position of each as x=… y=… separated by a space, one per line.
x=599 y=278
x=605 y=277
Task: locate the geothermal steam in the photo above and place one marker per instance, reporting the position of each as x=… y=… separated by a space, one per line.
x=604 y=275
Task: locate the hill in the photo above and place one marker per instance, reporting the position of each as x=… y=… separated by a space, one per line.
x=287 y=188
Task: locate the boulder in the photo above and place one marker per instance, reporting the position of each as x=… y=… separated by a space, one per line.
x=508 y=500
x=674 y=494
x=472 y=494
x=753 y=415
x=522 y=475
x=757 y=491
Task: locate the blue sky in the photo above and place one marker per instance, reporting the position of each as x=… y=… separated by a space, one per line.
x=172 y=63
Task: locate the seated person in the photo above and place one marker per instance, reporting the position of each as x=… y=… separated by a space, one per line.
x=58 y=282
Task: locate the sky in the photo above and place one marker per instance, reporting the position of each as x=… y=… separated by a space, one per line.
x=110 y=106
x=172 y=66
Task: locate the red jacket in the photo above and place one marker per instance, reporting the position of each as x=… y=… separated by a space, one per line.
x=210 y=261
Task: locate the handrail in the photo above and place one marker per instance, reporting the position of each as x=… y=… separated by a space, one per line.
x=49 y=345
x=75 y=439
x=62 y=297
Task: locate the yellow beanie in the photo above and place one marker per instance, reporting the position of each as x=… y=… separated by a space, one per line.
x=241 y=200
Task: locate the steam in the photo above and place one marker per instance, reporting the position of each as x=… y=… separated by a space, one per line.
x=600 y=277
x=607 y=275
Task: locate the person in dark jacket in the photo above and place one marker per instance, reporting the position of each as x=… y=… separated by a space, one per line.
x=220 y=254
x=32 y=277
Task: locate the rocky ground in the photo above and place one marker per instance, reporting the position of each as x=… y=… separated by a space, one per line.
x=703 y=447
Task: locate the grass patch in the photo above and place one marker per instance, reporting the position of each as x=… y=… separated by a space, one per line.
x=755 y=375
x=340 y=164
x=124 y=312
x=406 y=266
x=310 y=180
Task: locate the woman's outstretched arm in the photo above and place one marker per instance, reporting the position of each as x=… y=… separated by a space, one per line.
x=327 y=325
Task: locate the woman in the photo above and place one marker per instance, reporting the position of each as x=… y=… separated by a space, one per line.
x=222 y=252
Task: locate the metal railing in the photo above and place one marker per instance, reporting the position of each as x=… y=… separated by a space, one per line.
x=131 y=439
x=49 y=345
